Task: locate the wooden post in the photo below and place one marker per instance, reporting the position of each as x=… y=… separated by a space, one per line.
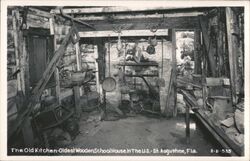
x=22 y=63
x=77 y=89
x=209 y=47
x=220 y=44
x=203 y=77
x=78 y=57
x=22 y=77
x=100 y=55
x=232 y=53
x=56 y=73
x=78 y=110
x=97 y=71
x=174 y=71
x=25 y=68
x=78 y=62
x=197 y=53
x=58 y=89
x=51 y=26
x=187 y=119
x=15 y=15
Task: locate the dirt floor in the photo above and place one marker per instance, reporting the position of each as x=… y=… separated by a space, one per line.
x=141 y=135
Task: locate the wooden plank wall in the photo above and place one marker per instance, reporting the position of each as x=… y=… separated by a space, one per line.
x=22 y=57
x=233 y=52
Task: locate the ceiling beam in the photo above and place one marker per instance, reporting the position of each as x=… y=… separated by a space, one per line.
x=124 y=33
x=138 y=16
x=118 y=9
x=143 y=23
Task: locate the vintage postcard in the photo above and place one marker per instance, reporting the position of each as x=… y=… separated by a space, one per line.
x=129 y=80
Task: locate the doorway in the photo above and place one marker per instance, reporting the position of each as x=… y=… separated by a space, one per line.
x=41 y=50
x=185 y=64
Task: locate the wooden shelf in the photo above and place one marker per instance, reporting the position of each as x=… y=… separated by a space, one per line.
x=88 y=52
x=220 y=97
x=141 y=75
x=139 y=64
x=88 y=62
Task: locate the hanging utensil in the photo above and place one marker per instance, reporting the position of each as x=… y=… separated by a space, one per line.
x=109 y=83
x=119 y=43
x=150 y=49
x=75 y=34
x=152 y=42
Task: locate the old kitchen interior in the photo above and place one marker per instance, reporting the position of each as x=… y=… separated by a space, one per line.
x=78 y=74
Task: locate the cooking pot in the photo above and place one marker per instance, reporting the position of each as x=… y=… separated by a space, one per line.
x=151 y=49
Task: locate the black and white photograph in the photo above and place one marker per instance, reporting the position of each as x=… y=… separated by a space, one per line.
x=136 y=79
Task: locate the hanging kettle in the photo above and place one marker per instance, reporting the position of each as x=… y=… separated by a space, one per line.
x=151 y=49
x=152 y=43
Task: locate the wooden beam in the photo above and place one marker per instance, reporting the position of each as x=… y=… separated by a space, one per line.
x=78 y=63
x=51 y=26
x=37 y=18
x=78 y=57
x=58 y=89
x=56 y=73
x=138 y=16
x=209 y=47
x=98 y=89
x=15 y=15
x=191 y=100
x=117 y=9
x=101 y=50
x=25 y=67
x=144 y=23
x=232 y=52
x=78 y=110
x=210 y=81
x=170 y=87
x=23 y=76
x=125 y=33
x=187 y=120
x=197 y=52
x=185 y=82
x=40 y=13
x=203 y=78
x=174 y=75
x=139 y=64
x=37 y=24
x=220 y=43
